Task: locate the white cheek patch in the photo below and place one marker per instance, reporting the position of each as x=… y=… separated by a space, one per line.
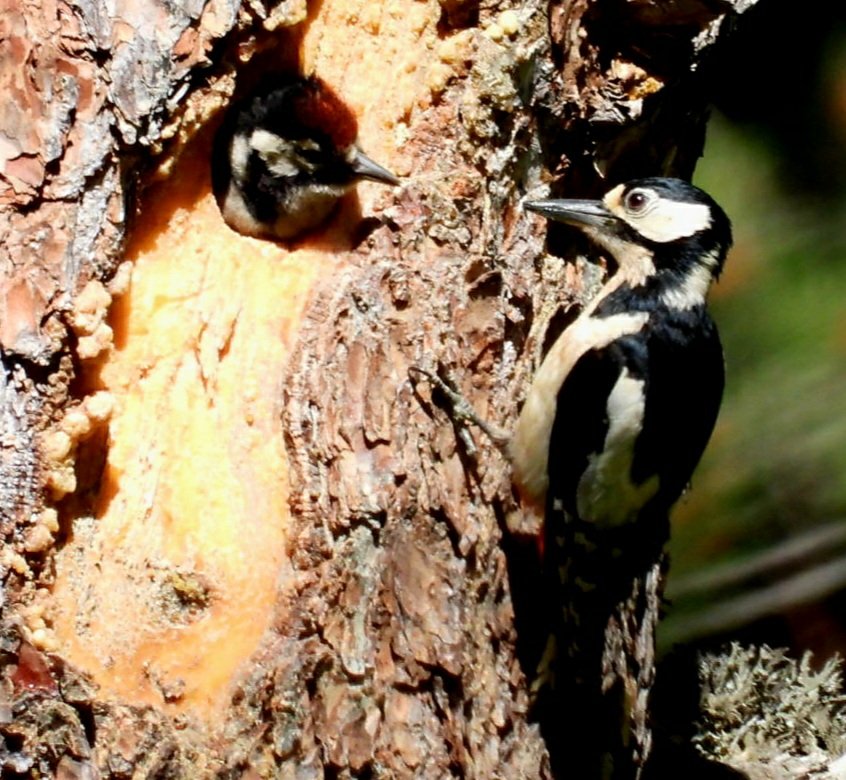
x=278 y=153
x=606 y=494
x=267 y=143
x=239 y=157
x=669 y=220
x=282 y=167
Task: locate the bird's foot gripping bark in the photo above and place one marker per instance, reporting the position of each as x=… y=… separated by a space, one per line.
x=460 y=410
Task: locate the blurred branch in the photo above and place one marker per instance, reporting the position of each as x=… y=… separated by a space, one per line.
x=792 y=552
x=804 y=588
x=817 y=581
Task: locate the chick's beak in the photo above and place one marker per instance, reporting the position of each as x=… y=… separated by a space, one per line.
x=366 y=168
x=580 y=213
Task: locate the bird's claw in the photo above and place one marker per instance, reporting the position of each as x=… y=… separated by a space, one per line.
x=461 y=411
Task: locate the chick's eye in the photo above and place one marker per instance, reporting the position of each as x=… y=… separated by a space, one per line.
x=636 y=201
x=311 y=154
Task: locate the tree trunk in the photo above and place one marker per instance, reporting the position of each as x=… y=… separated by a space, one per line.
x=238 y=538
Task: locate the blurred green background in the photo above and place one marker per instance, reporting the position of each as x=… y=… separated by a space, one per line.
x=758 y=550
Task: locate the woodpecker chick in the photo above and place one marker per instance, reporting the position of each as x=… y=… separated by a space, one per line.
x=620 y=411
x=285 y=156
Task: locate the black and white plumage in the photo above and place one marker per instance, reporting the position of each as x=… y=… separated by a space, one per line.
x=620 y=411
x=614 y=424
x=285 y=156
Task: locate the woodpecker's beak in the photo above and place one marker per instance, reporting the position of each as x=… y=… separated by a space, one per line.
x=581 y=213
x=366 y=168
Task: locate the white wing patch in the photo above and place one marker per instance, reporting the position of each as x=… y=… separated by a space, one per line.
x=606 y=494
x=529 y=446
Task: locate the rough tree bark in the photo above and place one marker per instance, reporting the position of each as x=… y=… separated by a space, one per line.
x=237 y=539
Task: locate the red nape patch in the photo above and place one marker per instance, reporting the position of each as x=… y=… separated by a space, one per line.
x=319 y=107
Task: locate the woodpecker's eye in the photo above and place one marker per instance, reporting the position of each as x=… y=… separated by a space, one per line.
x=311 y=155
x=637 y=201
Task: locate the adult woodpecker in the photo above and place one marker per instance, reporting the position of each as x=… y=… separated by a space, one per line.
x=619 y=413
x=622 y=406
x=614 y=423
x=285 y=156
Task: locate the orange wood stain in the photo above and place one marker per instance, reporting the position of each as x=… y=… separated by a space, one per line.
x=193 y=498
x=193 y=505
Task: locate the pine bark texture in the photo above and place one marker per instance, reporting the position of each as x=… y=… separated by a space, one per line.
x=390 y=649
